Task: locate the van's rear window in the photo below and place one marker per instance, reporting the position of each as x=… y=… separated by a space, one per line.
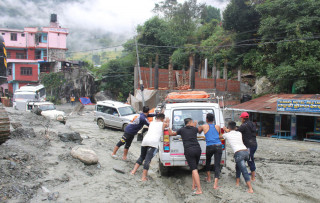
x=198 y=115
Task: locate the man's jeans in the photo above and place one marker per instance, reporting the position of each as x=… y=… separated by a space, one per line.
x=240 y=158
x=251 y=163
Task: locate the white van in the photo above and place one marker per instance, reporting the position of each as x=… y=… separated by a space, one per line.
x=171 y=150
x=28 y=93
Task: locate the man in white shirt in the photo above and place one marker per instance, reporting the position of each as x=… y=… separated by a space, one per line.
x=150 y=144
x=241 y=153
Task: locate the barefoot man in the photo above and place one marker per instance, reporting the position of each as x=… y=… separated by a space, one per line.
x=192 y=150
x=130 y=131
x=213 y=148
x=150 y=144
x=241 y=153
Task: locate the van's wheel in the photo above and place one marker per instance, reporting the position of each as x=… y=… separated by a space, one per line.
x=124 y=126
x=101 y=123
x=163 y=170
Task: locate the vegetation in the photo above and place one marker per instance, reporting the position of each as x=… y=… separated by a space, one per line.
x=278 y=39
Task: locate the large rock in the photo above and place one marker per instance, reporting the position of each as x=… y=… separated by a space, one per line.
x=23 y=132
x=87 y=156
x=103 y=95
x=71 y=137
x=262 y=85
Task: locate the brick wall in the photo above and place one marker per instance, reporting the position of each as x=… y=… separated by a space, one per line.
x=200 y=83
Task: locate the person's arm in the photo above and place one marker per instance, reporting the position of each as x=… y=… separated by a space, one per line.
x=165 y=123
x=226 y=129
x=172 y=133
x=200 y=129
x=218 y=129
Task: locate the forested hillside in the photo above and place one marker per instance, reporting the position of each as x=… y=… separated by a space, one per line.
x=278 y=39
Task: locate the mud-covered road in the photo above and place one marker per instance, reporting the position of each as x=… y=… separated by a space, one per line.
x=39 y=168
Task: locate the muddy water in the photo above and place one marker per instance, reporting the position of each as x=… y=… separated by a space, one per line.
x=287 y=171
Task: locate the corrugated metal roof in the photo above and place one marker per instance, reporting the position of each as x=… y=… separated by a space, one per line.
x=268 y=103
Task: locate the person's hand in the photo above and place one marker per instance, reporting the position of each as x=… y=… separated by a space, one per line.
x=225 y=129
x=195 y=123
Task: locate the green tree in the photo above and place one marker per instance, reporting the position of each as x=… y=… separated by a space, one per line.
x=209 y=13
x=290 y=44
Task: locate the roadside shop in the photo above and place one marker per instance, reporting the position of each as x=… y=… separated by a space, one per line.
x=286 y=116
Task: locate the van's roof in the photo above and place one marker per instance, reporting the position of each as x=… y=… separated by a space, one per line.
x=115 y=104
x=192 y=104
x=24 y=93
x=30 y=88
x=41 y=103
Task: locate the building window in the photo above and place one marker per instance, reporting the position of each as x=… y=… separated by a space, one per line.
x=9 y=71
x=13 y=36
x=20 y=56
x=44 y=38
x=9 y=55
x=26 y=71
x=22 y=35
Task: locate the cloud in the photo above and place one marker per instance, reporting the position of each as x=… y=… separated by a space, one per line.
x=85 y=19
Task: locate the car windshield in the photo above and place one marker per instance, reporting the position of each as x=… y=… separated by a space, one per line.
x=125 y=111
x=198 y=115
x=47 y=107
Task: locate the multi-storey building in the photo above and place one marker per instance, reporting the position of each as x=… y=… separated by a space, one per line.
x=33 y=50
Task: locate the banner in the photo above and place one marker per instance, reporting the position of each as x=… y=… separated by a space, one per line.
x=293 y=105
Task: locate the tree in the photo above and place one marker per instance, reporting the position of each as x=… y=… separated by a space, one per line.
x=209 y=13
x=290 y=45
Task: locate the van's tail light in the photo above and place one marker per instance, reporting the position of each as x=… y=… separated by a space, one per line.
x=166 y=141
x=223 y=142
x=222 y=131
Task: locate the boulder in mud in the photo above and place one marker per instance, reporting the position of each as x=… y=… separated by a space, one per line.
x=87 y=156
x=16 y=125
x=23 y=132
x=71 y=137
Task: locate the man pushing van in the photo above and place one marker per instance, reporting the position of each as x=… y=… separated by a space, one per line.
x=131 y=130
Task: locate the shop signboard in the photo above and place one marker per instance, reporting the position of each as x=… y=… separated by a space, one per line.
x=294 y=105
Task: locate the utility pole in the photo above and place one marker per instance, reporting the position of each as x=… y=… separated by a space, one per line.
x=141 y=82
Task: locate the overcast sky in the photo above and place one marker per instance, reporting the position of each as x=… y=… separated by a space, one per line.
x=114 y=15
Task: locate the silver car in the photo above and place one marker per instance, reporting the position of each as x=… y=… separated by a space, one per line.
x=113 y=114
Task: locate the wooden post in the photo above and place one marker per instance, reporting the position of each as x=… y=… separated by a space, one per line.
x=150 y=68
x=156 y=73
x=192 y=71
x=239 y=74
x=214 y=70
x=225 y=73
x=170 y=70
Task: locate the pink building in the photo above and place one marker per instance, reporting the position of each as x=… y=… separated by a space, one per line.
x=31 y=51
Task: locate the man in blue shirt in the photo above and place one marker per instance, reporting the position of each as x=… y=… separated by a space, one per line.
x=130 y=131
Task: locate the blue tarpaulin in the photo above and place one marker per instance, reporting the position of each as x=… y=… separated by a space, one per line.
x=85 y=101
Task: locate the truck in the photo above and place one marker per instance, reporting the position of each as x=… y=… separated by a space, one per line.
x=28 y=93
x=177 y=107
x=4 y=119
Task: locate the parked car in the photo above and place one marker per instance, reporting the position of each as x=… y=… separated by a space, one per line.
x=113 y=114
x=46 y=109
x=171 y=150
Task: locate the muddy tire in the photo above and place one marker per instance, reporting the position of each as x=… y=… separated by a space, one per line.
x=4 y=126
x=163 y=170
x=124 y=126
x=101 y=123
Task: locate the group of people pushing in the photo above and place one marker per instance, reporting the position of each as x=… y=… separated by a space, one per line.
x=242 y=141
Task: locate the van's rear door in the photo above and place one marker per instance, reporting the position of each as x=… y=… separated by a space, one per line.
x=176 y=145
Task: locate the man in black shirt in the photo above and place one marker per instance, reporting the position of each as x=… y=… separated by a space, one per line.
x=248 y=130
x=192 y=150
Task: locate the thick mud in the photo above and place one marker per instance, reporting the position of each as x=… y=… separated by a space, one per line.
x=39 y=168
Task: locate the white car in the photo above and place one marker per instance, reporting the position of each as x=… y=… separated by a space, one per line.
x=113 y=114
x=48 y=110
